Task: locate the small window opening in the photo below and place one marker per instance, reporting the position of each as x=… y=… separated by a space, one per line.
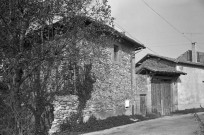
x=116 y=52
x=189 y=56
x=198 y=57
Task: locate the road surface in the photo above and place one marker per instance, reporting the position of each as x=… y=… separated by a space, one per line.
x=169 y=125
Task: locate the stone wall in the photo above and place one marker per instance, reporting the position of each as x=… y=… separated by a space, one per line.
x=142 y=81
x=63 y=106
x=113 y=83
x=142 y=85
x=111 y=89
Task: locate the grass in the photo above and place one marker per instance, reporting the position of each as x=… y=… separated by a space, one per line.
x=187 y=111
x=94 y=124
x=71 y=127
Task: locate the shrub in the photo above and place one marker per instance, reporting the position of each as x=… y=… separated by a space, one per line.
x=94 y=124
x=139 y=117
x=186 y=111
x=70 y=123
x=153 y=115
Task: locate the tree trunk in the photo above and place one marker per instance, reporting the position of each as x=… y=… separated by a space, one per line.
x=38 y=127
x=81 y=107
x=39 y=105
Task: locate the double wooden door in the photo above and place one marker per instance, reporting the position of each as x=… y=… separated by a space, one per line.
x=161 y=97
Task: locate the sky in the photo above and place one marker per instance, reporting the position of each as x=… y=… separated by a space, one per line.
x=168 y=32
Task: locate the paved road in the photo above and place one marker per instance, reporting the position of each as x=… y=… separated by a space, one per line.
x=169 y=125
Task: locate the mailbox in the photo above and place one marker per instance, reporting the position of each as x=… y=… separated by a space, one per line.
x=127 y=103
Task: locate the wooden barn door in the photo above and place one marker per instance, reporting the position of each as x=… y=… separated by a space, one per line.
x=161 y=97
x=166 y=98
x=156 y=97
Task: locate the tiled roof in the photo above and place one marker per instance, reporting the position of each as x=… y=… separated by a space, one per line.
x=63 y=25
x=158 y=67
x=148 y=64
x=160 y=70
x=156 y=56
x=181 y=59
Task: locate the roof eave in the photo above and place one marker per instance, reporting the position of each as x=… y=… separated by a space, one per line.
x=167 y=72
x=151 y=55
x=138 y=46
x=192 y=64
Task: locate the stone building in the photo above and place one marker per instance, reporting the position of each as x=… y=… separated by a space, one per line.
x=171 y=84
x=114 y=73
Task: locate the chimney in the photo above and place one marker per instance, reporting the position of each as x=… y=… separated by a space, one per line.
x=194 y=52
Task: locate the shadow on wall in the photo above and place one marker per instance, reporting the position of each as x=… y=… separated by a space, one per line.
x=84 y=89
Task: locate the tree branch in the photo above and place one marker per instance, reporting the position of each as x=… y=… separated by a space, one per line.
x=6 y=24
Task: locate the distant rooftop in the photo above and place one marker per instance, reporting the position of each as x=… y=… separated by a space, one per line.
x=184 y=58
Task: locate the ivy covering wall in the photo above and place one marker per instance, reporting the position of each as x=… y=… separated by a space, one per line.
x=112 y=86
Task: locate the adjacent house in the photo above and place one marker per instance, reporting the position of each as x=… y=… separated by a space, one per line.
x=170 y=84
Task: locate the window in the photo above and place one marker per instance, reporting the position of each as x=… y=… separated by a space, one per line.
x=116 y=53
x=198 y=57
x=189 y=56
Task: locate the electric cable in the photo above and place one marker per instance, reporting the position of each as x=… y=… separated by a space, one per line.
x=164 y=19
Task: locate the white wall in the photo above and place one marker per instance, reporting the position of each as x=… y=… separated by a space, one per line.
x=190 y=87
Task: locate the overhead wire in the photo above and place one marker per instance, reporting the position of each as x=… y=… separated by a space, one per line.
x=164 y=19
x=127 y=32
x=133 y=37
x=172 y=45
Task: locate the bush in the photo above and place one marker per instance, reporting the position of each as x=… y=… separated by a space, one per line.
x=70 y=123
x=153 y=115
x=139 y=117
x=186 y=111
x=94 y=124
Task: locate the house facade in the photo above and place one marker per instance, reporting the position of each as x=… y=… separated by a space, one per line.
x=114 y=84
x=170 y=84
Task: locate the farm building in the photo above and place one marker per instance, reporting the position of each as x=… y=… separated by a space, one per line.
x=170 y=84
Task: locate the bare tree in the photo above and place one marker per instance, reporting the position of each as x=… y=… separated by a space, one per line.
x=39 y=39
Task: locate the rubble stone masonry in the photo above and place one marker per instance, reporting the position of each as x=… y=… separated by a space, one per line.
x=111 y=89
